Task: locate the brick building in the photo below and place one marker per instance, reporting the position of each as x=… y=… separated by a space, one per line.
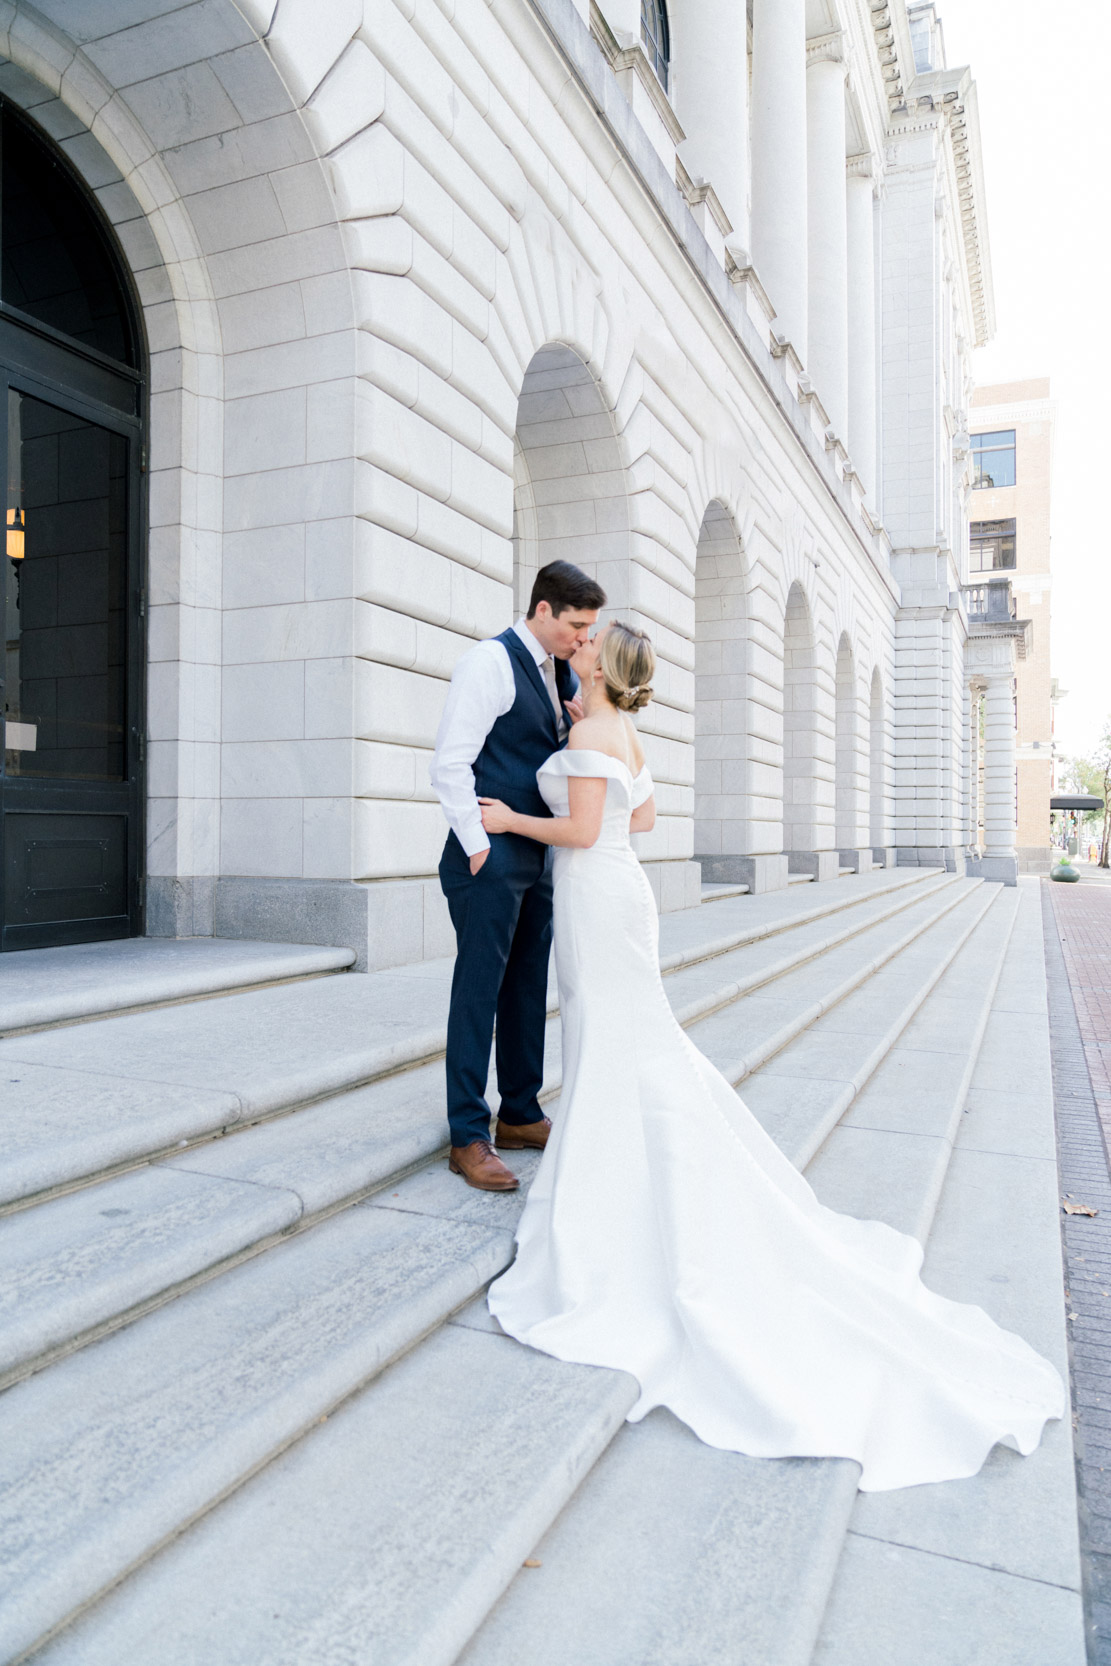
x=1009 y=540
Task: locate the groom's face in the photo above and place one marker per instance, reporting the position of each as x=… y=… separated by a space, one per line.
x=562 y=634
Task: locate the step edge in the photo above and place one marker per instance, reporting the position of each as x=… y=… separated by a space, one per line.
x=43 y=1638
x=465 y=1281
x=392 y=1058
x=981 y=899
x=210 y=1271
x=207 y=992
x=926 y=1204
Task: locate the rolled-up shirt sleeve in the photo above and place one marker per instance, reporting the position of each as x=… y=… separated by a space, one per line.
x=481 y=691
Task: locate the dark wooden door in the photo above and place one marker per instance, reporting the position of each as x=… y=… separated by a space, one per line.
x=71 y=588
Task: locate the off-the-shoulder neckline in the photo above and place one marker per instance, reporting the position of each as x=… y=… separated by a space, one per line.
x=580 y=751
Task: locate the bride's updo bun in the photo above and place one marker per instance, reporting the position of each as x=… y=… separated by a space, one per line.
x=627 y=661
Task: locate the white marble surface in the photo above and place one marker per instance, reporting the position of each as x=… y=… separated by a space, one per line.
x=49 y=986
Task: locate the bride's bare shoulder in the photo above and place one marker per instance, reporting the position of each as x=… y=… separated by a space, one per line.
x=588 y=732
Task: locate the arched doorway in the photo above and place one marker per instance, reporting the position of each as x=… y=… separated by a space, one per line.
x=877 y=770
x=800 y=768
x=722 y=835
x=569 y=490
x=72 y=407
x=847 y=793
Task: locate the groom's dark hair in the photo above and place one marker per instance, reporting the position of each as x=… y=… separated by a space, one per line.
x=563 y=585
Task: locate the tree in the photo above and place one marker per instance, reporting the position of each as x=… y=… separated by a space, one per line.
x=1101 y=758
x=1091 y=776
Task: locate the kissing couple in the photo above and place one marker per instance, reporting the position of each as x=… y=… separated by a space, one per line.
x=665 y=1234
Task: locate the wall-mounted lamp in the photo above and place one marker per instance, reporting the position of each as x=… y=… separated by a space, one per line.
x=15 y=534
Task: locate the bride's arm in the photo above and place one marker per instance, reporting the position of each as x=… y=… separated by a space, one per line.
x=643 y=818
x=586 y=795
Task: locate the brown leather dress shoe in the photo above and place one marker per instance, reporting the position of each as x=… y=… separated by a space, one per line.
x=523 y=1136
x=481 y=1167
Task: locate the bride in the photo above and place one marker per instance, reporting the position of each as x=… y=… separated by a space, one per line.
x=665 y=1233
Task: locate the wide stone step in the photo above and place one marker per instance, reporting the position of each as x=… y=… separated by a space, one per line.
x=112 y=1450
x=895 y=1142
x=802 y=1092
x=988 y=1569
x=335 y=1539
x=672 y=1551
x=77 y=1264
x=43 y=987
x=85 y=1101
x=712 y=892
x=409 y=1507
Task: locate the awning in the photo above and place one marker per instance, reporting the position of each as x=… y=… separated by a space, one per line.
x=1077 y=801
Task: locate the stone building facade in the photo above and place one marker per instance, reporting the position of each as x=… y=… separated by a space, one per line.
x=430 y=292
x=1009 y=540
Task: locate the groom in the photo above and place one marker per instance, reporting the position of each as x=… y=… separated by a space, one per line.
x=510 y=706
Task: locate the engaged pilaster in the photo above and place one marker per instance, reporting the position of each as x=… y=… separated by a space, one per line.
x=779 y=161
x=712 y=98
x=999 y=860
x=827 y=347
x=861 y=269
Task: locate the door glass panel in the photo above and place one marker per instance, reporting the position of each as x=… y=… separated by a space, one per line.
x=56 y=264
x=65 y=596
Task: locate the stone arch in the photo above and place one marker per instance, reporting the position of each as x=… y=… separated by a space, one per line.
x=721 y=727
x=800 y=749
x=846 y=761
x=877 y=765
x=570 y=499
x=229 y=228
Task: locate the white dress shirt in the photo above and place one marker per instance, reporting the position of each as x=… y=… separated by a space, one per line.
x=483 y=688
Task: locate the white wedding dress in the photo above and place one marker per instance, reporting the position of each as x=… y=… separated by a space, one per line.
x=666 y=1235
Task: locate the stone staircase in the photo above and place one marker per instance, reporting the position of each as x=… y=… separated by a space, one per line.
x=255 y=1410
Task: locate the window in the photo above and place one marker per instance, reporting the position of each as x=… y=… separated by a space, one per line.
x=993 y=458
x=992 y=546
x=656 y=36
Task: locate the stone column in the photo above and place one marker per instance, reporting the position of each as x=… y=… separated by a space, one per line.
x=779 y=161
x=999 y=860
x=861 y=438
x=974 y=693
x=827 y=355
x=712 y=99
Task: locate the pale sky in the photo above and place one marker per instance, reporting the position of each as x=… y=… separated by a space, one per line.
x=1041 y=72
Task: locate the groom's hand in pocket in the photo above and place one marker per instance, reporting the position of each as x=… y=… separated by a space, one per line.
x=477 y=860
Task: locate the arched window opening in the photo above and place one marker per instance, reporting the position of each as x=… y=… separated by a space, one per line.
x=56 y=264
x=656 y=37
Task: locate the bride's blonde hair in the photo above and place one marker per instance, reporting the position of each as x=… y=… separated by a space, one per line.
x=627 y=661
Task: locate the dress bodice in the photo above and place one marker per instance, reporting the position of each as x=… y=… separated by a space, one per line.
x=624 y=790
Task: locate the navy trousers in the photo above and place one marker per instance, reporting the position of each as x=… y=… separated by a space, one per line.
x=503 y=929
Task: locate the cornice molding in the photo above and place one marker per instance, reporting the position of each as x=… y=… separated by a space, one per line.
x=702 y=192
x=887 y=52
x=1022 y=410
x=636 y=59
x=826 y=49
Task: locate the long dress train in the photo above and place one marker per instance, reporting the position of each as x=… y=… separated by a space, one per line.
x=666 y=1235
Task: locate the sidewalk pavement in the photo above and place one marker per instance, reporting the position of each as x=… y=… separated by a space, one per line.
x=1077 y=920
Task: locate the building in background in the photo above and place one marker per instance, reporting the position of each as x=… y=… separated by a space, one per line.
x=1011 y=427
x=325 y=325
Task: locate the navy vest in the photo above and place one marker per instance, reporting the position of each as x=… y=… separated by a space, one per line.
x=523 y=736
